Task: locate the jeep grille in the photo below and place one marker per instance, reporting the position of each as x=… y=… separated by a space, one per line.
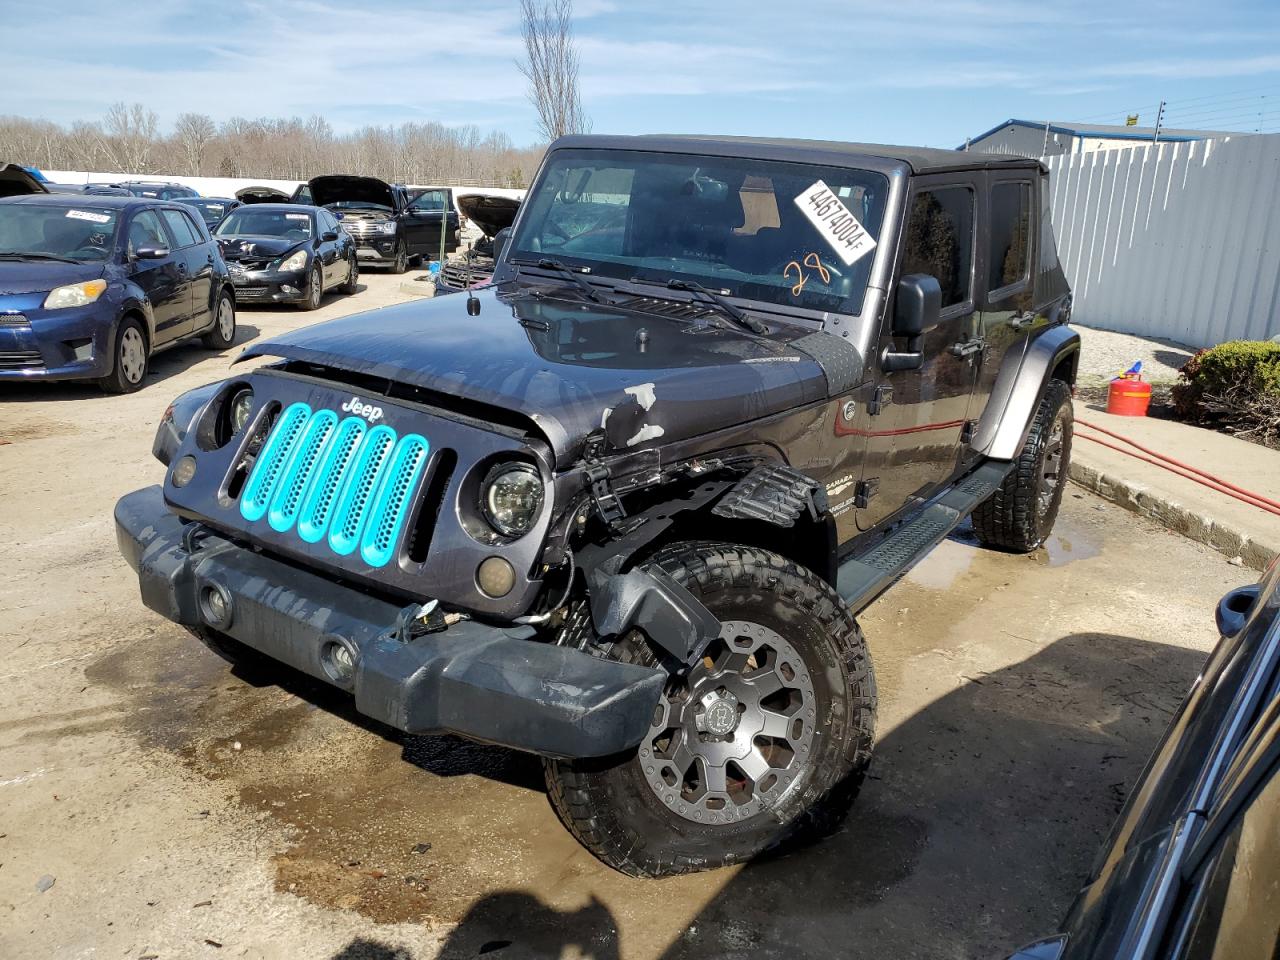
x=341 y=481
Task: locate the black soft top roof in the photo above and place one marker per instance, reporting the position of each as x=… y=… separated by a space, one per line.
x=829 y=152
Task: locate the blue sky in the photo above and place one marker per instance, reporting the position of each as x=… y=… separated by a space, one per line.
x=902 y=72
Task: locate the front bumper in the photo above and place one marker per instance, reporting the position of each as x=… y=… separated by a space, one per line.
x=489 y=683
x=270 y=286
x=376 y=248
x=67 y=344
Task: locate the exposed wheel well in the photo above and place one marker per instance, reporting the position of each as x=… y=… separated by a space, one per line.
x=809 y=543
x=1066 y=368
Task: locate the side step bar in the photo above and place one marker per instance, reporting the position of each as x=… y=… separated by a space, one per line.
x=863 y=577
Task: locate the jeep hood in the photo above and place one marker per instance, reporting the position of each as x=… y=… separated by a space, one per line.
x=490 y=214
x=567 y=366
x=346 y=189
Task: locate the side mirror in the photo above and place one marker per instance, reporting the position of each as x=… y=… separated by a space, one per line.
x=916 y=308
x=329 y=236
x=501 y=240
x=151 y=253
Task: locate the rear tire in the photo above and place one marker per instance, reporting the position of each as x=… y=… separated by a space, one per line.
x=131 y=359
x=773 y=729
x=1019 y=516
x=223 y=334
x=352 y=284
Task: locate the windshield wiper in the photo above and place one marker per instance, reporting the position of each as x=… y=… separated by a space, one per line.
x=19 y=255
x=725 y=307
x=560 y=268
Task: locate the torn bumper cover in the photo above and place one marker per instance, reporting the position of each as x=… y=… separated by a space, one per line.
x=493 y=684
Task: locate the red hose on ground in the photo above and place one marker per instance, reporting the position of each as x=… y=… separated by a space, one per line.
x=1182 y=469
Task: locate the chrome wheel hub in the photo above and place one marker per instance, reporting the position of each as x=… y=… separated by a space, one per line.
x=735 y=733
x=133 y=355
x=1051 y=472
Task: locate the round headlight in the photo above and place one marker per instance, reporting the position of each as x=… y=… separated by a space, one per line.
x=241 y=407
x=511 y=498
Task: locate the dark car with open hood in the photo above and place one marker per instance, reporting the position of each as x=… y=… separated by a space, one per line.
x=621 y=508
x=1191 y=870
x=287 y=253
x=91 y=287
x=389 y=226
x=492 y=214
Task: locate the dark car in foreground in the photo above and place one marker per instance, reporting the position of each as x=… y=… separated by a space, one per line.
x=1191 y=870
x=390 y=228
x=211 y=209
x=287 y=253
x=91 y=287
x=492 y=214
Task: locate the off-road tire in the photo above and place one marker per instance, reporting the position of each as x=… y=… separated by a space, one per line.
x=125 y=375
x=610 y=806
x=352 y=283
x=1019 y=516
x=401 y=262
x=220 y=338
x=315 y=290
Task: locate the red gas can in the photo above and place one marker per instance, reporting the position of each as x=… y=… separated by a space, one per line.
x=1129 y=396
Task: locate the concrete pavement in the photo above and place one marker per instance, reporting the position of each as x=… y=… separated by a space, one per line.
x=1183 y=505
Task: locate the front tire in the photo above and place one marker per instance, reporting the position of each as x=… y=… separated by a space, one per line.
x=1019 y=516
x=762 y=742
x=223 y=334
x=315 y=291
x=401 y=262
x=132 y=356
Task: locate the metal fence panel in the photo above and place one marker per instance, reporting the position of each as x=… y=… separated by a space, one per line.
x=1174 y=240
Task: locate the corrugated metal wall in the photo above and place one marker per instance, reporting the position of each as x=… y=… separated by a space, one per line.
x=1179 y=240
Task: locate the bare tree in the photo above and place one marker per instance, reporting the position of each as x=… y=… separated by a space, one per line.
x=194 y=132
x=128 y=136
x=551 y=66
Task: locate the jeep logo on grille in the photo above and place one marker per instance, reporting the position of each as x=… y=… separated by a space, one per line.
x=367 y=410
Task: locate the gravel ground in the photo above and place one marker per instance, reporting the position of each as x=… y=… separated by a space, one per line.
x=1104 y=353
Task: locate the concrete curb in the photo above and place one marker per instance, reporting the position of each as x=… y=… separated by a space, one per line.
x=1192 y=523
x=418 y=288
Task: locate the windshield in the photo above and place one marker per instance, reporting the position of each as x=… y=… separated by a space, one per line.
x=787 y=233
x=82 y=233
x=265 y=223
x=211 y=210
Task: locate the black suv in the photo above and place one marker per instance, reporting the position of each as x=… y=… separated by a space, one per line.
x=390 y=227
x=622 y=507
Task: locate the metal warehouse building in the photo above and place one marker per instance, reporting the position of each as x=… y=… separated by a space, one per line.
x=1052 y=138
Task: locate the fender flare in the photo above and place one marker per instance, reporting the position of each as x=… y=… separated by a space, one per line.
x=1021 y=382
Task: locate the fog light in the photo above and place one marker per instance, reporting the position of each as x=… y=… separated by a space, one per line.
x=216 y=606
x=184 y=471
x=496 y=577
x=339 y=662
x=290 y=289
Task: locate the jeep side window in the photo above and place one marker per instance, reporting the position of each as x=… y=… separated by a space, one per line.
x=1009 y=246
x=939 y=240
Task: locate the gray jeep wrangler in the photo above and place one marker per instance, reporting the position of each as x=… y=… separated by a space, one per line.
x=622 y=508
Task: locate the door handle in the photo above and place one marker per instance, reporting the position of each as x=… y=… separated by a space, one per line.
x=967 y=348
x=1020 y=321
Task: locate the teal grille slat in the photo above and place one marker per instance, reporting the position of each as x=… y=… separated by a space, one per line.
x=336 y=480
x=387 y=517
x=317 y=507
x=298 y=473
x=271 y=461
x=355 y=501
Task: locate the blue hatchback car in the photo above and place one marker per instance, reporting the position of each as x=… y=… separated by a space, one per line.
x=91 y=287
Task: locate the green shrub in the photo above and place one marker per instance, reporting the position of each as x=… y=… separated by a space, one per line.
x=1236 y=383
